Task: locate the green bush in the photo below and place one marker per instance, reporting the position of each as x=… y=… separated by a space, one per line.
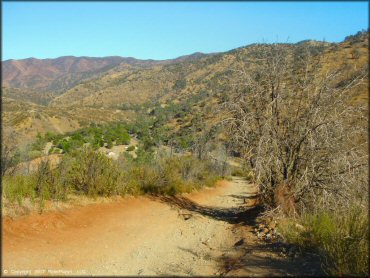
x=237 y=172
x=167 y=175
x=342 y=239
x=55 y=150
x=34 y=154
x=96 y=135
x=41 y=185
x=92 y=173
x=242 y=172
x=17 y=188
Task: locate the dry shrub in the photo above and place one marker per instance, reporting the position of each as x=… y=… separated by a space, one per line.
x=169 y=175
x=293 y=124
x=9 y=152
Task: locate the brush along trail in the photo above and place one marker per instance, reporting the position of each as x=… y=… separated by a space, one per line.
x=208 y=232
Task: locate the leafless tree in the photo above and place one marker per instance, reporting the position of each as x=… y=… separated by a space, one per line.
x=201 y=145
x=294 y=125
x=9 y=155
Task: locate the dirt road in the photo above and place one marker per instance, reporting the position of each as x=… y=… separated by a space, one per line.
x=191 y=234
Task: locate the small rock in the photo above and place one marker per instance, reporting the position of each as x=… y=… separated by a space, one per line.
x=186 y=216
x=282 y=254
x=238 y=243
x=300 y=227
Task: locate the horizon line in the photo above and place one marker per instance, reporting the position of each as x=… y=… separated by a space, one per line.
x=160 y=60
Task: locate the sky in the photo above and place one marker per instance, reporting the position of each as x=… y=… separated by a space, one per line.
x=165 y=30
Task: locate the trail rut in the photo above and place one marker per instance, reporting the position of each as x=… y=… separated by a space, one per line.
x=190 y=234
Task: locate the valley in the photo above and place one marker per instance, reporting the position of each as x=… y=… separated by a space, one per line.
x=126 y=87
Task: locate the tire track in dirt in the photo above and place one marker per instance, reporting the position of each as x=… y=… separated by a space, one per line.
x=189 y=234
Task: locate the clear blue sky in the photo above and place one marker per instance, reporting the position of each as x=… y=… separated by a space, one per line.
x=163 y=30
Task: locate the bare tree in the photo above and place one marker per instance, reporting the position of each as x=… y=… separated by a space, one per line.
x=9 y=151
x=202 y=135
x=294 y=125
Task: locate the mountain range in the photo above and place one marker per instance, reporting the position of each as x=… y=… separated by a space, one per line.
x=70 y=92
x=64 y=72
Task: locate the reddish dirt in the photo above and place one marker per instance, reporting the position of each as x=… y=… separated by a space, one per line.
x=191 y=234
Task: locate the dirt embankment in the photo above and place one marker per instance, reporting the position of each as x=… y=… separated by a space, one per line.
x=202 y=233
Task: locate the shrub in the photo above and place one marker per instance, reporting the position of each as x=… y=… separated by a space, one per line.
x=41 y=185
x=93 y=173
x=17 y=188
x=166 y=175
x=10 y=154
x=96 y=135
x=34 y=154
x=341 y=239
x=293 y=133
x=242 y=172
x=179 y=84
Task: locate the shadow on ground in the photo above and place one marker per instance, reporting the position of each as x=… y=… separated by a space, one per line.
x=263 y=260
x=237 y=215
x=252 y=258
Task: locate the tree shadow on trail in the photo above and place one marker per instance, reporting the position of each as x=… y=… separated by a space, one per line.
x=255 y=258
x=249 y=257
x=262 y=260
x=236 y=215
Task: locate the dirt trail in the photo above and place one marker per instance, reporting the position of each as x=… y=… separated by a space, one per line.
x=191 y=234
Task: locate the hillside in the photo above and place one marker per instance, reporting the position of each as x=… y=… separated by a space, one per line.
x=27 y=119
x=211 y=74
x=185 y=97
x=72 y=92
x=54 y=76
